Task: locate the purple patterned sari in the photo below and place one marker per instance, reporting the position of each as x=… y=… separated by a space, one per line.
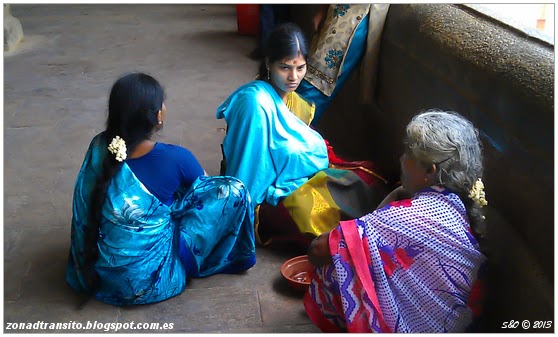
x=411 y=266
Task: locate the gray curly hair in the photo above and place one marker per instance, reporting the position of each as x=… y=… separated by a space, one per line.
x=451 y=142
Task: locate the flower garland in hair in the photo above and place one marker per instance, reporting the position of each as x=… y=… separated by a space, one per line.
x=477 y=194
x=118 y=148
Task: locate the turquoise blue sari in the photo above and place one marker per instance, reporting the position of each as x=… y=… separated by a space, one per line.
x=267 y=147
x=148 y=250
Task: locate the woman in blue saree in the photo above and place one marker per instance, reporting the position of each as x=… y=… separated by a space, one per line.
x=145 y=216
x=298 y=185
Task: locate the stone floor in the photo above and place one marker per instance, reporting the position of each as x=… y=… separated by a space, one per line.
x=56 y=86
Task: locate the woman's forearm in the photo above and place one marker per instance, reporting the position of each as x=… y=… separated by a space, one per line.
x=397 y=194
x=319 y=17
x=318 y=252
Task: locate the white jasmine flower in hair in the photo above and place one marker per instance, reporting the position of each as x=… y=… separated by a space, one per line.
x=118 y=148
x=477 y=194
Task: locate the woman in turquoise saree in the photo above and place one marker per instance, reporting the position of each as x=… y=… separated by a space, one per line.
x=299 y=187
x=145 y=216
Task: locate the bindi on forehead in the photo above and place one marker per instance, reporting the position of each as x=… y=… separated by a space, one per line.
x=298 y=60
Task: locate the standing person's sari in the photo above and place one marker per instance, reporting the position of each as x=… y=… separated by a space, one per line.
x=300 y=188
x=411 y=266
x=147 y=250
x=349 y=32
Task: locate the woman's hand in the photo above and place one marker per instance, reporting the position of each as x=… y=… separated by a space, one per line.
x=397 y=194
x=319 y=18
x=318 y=252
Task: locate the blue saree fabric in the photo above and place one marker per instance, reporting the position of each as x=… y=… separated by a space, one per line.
x=147 y=250
x=267 y=147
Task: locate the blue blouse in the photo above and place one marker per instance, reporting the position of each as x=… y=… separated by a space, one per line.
x=164 y=169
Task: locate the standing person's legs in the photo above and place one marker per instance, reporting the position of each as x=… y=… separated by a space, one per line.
x=281 y=14
x=267 y=22
x=270 y=16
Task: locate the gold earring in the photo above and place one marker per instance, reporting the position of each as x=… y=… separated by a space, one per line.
x=425 y=179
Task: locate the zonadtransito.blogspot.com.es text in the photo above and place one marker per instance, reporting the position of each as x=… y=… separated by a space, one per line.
x=89 y=325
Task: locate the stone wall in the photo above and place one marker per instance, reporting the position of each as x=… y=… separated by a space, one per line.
x=453 y=58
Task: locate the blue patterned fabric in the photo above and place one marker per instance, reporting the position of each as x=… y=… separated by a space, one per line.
x=267 y=147
x=147 y=250
x=341 y=10
x=334 y=58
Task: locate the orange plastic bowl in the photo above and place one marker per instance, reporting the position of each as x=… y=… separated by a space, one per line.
x=297 y=272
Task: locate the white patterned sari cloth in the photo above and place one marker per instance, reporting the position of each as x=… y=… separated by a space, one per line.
x=411 y=266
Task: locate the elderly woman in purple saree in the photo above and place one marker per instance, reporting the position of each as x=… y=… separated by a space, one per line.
x=414 y=264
